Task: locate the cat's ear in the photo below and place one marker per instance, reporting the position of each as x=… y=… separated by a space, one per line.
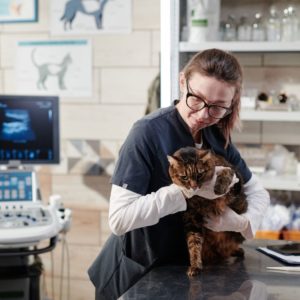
x=172 y=160
x=204 y=154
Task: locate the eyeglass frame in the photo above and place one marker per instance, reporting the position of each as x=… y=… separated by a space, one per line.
x=188 y=94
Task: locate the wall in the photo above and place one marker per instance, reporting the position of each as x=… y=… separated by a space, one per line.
x=92 y=130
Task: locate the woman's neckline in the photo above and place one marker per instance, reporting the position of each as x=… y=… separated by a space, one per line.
x=197 y=136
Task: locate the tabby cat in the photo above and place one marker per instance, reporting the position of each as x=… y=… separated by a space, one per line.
x=190 y=168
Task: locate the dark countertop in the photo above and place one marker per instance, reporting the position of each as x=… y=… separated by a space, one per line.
x=236 y=280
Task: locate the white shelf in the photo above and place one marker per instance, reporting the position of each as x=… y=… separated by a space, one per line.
x=258 y=115
x=285 y=182
x=241 y=46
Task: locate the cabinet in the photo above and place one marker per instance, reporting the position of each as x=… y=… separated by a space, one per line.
x=175 y=53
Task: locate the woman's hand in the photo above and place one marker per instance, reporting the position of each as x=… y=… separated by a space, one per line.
x=228 y=221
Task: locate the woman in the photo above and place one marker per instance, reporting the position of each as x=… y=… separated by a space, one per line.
x=145 y=209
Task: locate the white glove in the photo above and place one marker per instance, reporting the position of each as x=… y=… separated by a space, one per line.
x=228 y=221
x=207 y=189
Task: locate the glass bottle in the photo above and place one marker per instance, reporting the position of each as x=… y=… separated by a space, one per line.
x=286 y=26
x=294 y=22
x=273 y=25
x=258 y=29
x=244 y=30
x=230 y=29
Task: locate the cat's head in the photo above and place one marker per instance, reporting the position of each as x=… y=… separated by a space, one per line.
x=191 y=167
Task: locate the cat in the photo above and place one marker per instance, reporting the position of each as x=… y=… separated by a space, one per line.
x=49 y=69
x=190 y=168
x=72 y=7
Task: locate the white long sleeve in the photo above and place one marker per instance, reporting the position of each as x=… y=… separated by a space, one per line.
x=258 y=201
x=129 y=210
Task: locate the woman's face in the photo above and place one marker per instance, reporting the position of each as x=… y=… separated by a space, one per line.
x=208 y=100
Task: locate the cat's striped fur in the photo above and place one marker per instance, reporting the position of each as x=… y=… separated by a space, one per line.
x=190 y=168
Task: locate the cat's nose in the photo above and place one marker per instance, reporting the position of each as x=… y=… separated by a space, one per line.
x=194 y=185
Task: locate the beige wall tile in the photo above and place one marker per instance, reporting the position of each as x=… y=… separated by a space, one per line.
x=281 y=133
x=123 y=50
x=254 y=78
x=250 y=133
x=155 y=48
x=127 y=85
x=249 y=59
x=85 y=228
x=45 y=182
x=282 y=59
x=146 y=14
x=108 y=122
x=82 y=191
x=2 y=82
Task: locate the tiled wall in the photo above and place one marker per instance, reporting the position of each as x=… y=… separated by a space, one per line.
x=92 y=130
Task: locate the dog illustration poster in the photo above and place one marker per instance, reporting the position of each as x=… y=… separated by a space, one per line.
x=90 y=16
x=59 y=67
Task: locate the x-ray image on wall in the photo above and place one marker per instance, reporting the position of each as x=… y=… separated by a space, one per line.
x=16 y=126
x=52 y=67
x=90 y=16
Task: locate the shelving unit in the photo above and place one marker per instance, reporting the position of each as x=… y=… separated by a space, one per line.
x=174 y=51
x=175 y=54
x=285 y=182
x=276 y=116
x=242 y=46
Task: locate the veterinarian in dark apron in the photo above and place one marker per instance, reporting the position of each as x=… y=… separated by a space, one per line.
x=151 y=233
x=124 y=259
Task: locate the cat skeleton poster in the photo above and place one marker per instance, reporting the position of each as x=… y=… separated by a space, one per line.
x=90 y=16
x=60 y=67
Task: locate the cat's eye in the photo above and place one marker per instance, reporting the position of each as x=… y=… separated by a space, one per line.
x=184 y=177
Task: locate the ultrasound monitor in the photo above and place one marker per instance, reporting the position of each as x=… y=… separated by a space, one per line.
x=29 y=129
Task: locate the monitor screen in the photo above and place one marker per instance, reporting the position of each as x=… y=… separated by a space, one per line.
x=17 y=186
x=29 y=129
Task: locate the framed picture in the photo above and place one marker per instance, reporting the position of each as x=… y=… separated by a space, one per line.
x=14 y=11
x=54 y=67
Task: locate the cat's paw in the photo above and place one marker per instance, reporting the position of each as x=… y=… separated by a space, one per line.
x=193 y=271
x=223 y=181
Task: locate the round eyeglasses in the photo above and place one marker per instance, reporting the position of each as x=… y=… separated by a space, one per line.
x=196 y=103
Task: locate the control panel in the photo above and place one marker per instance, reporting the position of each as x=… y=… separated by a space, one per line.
x=24 y=220
x=27 y=217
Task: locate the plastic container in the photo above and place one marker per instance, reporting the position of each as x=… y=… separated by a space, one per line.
x=198 y=15
x=267 y=235
x=291 y=235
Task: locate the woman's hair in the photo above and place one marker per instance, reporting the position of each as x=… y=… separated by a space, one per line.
x=224 y=67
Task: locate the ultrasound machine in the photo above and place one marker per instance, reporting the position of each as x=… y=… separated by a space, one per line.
x=29 y=136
